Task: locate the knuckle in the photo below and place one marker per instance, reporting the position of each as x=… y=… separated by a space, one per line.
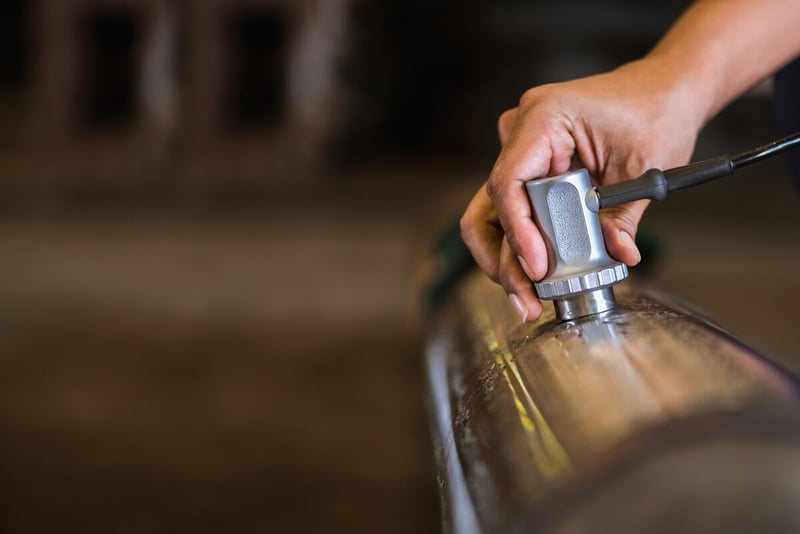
x=535 y=96
x=530 y=97
x=507 y=115
x=506 y=119
x=495 y=188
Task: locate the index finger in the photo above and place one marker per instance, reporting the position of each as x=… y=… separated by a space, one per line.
x=529 y=154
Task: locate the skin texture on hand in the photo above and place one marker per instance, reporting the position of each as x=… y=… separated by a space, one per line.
x=614 y=125
x=645 y=114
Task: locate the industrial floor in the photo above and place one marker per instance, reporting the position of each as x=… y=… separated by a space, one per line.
x=256 y=365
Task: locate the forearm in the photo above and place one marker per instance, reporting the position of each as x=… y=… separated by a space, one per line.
x=720 y=48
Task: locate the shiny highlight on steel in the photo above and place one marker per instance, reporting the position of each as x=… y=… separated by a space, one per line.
x=608 y=422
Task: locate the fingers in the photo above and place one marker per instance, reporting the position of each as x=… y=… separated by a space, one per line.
x=520 y=231
x=518 y=286
x=532 y=150
x=619 y=230
x=484 y=237
x=482 y=234
x=498 y=227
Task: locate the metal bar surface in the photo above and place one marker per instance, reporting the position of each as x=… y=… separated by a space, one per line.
x=606 y=422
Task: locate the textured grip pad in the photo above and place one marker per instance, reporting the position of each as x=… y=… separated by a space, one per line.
x=566 y=213
x=577 y=260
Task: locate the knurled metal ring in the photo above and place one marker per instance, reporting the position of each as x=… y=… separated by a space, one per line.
x=608 y=276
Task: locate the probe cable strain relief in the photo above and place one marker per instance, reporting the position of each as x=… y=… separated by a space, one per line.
x=652 y=184
x=699 y=173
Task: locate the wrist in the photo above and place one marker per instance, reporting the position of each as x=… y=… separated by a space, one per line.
x=683 y=89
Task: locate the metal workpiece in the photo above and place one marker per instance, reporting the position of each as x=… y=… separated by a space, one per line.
x=644 y=418
x=578 y=263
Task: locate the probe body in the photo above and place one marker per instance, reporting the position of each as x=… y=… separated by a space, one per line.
x=566 y=208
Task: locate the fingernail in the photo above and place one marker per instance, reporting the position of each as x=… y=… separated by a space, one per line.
x=629 y=242
x=525 y=267
x=523 y=313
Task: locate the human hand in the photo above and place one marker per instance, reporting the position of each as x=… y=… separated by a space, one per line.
x=616 y=125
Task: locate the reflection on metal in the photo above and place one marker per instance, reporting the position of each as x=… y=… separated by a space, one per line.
x=547 y=452
x=583 y=304
x=563 y=426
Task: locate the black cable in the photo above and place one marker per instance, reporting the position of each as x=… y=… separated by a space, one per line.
x=765 y=151
x=655 y=183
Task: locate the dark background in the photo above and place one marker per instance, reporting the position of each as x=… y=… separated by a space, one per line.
x=213 y=221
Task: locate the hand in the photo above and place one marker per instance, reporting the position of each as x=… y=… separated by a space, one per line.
x=617 y=125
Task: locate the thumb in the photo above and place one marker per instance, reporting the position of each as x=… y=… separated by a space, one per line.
x=619 y=230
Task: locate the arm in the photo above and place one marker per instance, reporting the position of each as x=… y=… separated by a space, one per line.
x=644 y=114
x=724 y=47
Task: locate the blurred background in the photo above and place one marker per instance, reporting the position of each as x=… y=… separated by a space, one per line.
x=211 y=217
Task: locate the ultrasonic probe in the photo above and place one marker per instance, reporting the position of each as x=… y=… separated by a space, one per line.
x=580 y=273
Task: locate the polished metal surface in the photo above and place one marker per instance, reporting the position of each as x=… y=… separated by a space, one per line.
x=583 y=304
x=577 y=256
x=607 y=423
